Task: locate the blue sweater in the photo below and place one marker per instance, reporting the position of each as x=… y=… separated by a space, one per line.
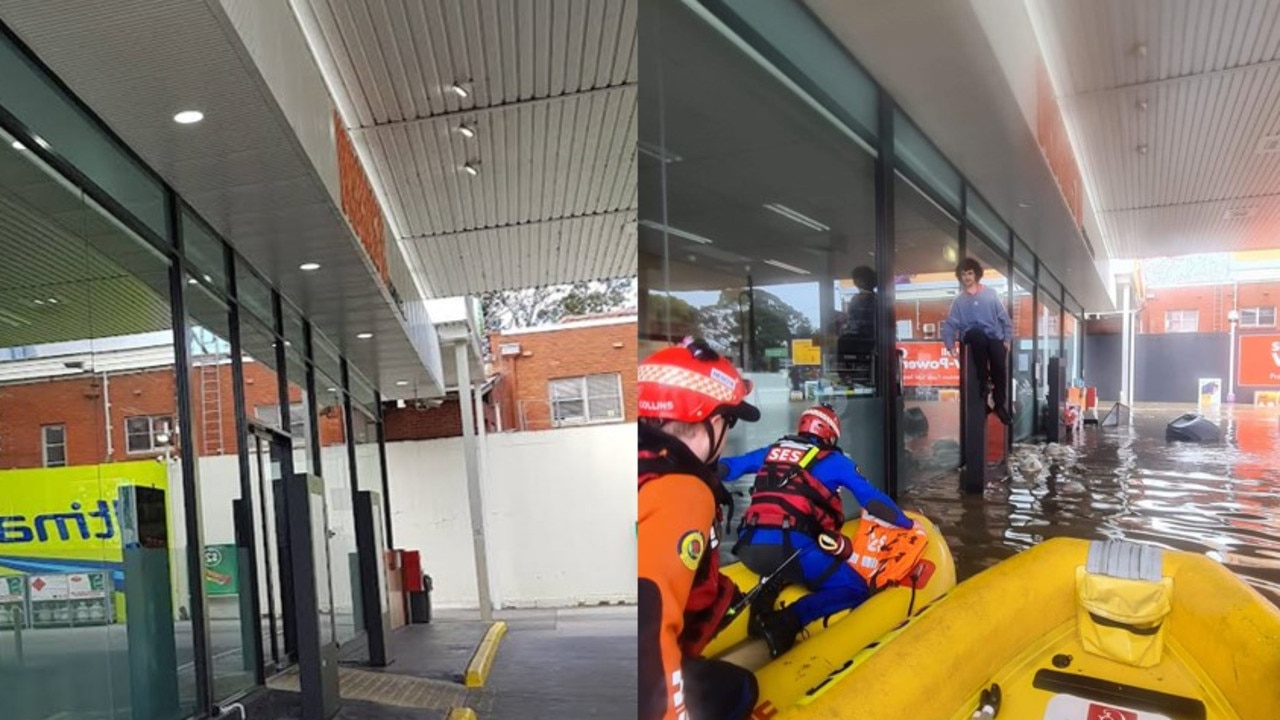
x=835 y=471
x=983 y=311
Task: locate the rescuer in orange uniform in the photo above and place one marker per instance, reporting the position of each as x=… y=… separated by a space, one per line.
x=688 y=397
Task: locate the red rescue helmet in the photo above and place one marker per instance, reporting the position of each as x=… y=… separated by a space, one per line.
x=821 y=422
x=690 y=383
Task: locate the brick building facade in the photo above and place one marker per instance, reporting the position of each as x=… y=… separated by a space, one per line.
x=525 y=365
x=85 y=405
x=1204 y=308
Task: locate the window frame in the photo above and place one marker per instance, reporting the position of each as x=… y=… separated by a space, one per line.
x=1181 y=314
x=1257 y=316
x=585 y=398
x=151 y=434
x=298 y=409
x=45 y=445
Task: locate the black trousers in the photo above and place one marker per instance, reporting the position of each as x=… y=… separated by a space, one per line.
x=718 y=690
x=993 y=364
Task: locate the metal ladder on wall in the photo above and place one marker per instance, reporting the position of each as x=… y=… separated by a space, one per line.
x=211 y=424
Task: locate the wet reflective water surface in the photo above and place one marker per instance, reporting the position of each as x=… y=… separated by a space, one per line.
x=1219 y=499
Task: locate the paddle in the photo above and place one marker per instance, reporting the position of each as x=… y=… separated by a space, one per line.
x=751 y=594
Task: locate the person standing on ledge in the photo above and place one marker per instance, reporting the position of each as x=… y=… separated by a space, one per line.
x=978 y=319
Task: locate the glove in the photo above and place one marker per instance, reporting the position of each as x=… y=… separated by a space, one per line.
x=836 y=545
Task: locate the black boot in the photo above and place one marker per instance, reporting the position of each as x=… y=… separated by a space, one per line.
x=780 y=629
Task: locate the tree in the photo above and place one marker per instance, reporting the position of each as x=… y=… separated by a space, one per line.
x=776 y=323
x=685 y=318
x=530 y=307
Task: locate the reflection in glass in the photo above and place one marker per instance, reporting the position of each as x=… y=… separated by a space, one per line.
x=760 y=237
x=86 y=346
x=1022 y=365
x=335 y=468
x=926 y=251
x=222 y=505
x=994 y=275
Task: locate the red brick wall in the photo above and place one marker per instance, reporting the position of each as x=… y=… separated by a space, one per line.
x=567 y=352
x=359 y=203
x=1212 y=301
x=411 y=423
x=77 y=403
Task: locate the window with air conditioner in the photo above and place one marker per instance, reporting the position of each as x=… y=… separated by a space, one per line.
x=586 y=400
x=1258 y=317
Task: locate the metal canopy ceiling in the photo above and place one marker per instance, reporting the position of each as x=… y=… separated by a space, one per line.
x=1175 y=111
x=552 y=103
x=136 y=63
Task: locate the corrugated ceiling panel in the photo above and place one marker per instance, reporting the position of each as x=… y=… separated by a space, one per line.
x=397 y=58
x=537 y=161
x=532 y=255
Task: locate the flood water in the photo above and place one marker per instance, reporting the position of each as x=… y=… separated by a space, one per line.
x=1128 y=483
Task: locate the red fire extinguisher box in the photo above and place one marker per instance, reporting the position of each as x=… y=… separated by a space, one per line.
x=411 y=564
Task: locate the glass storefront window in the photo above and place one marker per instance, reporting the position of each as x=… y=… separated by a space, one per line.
x=205 y=251
x=228 y=588
x=926 y=252
x=88 y=422
x=914 y=151
x=62 y=128
x=1049 y=336
x=254 y=294
x=335 y=468
x=261 y=384
x=1022 y=361
x=761 y=239
x=985 y=220
x=822 y=64
x=994 y=275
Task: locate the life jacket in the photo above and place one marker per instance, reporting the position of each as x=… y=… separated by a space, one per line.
x=712 y=592
x=787 y=495
x=883 y=553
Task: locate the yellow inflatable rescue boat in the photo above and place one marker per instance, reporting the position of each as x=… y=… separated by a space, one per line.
x=827 y=647
x=1073 y=630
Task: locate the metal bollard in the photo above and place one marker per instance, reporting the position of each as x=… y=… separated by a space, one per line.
x=15 y=616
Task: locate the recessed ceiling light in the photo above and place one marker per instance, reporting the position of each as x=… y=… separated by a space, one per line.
x=333 y=390
x=40 y=141
x=39 y=302
x=208 y=279
x=471 y=169
x=467 y=131
x=459 y=90
x=402 y=383
x=365 y=335
x=309 y=266
x=18 y=146
x=53 y=301
x=191 y=281
x=186 y=117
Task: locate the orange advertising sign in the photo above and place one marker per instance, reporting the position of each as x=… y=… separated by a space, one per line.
x=924 y=364
x=1259 y=360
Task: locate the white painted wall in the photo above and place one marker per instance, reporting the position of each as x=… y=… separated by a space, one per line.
x=560 y=515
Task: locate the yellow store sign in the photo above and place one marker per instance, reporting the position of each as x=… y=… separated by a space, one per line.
x=67 y=520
